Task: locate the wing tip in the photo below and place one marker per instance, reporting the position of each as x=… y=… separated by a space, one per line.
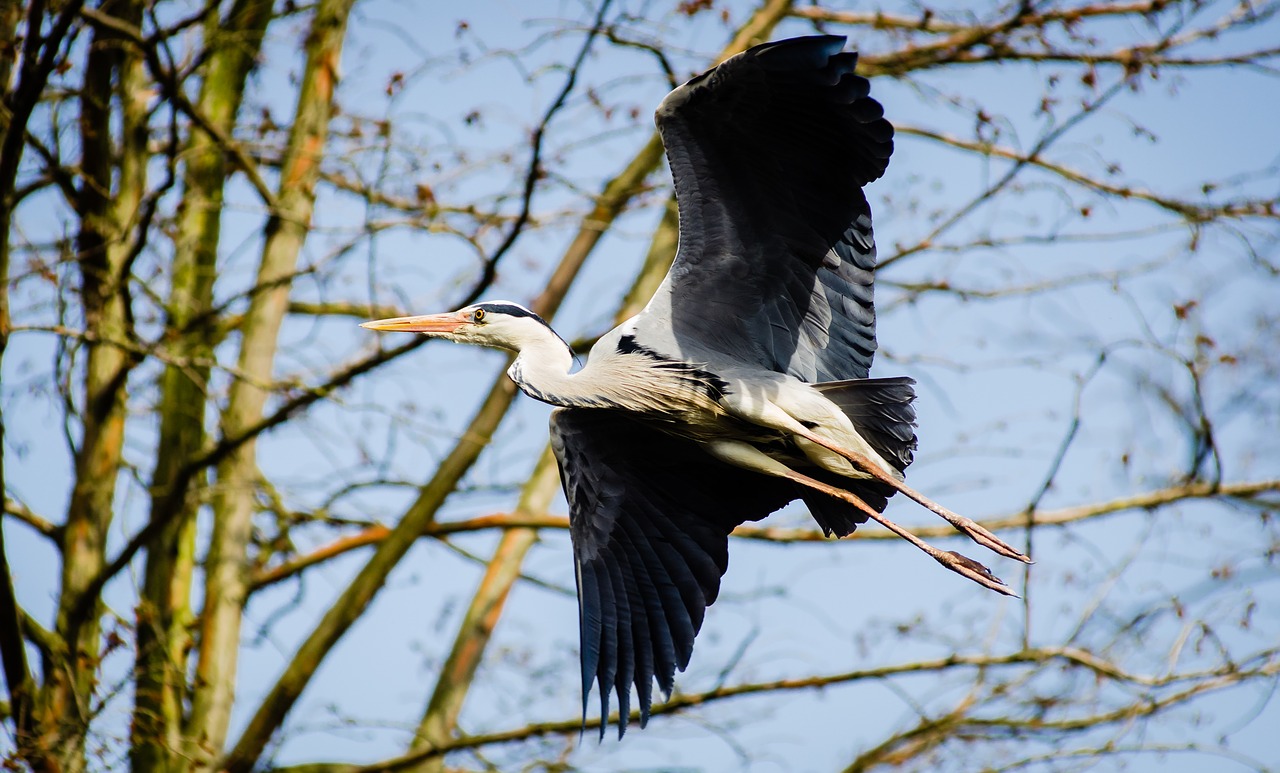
x=802 y=52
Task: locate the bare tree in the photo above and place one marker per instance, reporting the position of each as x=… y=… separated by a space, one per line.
x=240 y=535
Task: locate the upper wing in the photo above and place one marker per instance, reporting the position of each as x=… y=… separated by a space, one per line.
x=769 y=152
x=650 y=515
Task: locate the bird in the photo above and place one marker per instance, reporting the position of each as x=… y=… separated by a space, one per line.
x=744 y=384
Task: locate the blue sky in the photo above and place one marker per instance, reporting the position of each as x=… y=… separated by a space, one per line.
x=998 y=379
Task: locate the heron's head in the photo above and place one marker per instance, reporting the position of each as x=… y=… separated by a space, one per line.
x=501 y=324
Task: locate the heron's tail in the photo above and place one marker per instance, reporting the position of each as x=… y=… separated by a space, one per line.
x=880 y=409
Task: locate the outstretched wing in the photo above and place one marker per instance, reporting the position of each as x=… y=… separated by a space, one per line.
x=769 y=152
x=650 y=516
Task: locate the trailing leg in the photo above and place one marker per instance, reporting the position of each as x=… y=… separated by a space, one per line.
x=966 y=526
x=745 y=455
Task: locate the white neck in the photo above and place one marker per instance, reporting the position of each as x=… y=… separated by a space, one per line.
x=632 y=382
x=541 y=370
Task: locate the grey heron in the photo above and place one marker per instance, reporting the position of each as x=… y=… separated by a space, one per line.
x=743 y=385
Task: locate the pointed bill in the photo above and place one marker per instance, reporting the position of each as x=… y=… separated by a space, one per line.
x=439 y=324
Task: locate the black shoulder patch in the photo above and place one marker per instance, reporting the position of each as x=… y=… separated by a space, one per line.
x=712 y=384
x=627 y=345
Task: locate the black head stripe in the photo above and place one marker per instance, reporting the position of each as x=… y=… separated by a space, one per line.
x=510 y=309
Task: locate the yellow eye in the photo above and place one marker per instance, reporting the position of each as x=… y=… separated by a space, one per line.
x=477 y=316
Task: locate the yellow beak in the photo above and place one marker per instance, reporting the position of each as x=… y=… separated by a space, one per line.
x=439 y=324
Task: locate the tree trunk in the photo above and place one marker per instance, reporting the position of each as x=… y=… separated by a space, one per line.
x=13 y=655
x=102 y=251
x=226 y=575
x=164 y=613
x=441 y=715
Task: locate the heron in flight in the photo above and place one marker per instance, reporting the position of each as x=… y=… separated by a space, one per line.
x=743 y=385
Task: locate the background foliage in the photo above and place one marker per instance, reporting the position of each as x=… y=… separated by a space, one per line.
x=240 y=534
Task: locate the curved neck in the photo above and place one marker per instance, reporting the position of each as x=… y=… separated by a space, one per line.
x=637 y=382
x=541 y=370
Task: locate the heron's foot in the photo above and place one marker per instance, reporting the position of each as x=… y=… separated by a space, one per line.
x=966 y=526
x=981 y=535
x=956 y=562
x=963 y=565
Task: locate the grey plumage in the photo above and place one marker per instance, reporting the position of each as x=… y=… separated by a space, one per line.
x=769 y=153
x=743 y=385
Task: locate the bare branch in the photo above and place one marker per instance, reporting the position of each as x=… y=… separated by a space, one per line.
x=173 y=92
x=1191 y=212
x=21 y=512
x=1266 y=664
